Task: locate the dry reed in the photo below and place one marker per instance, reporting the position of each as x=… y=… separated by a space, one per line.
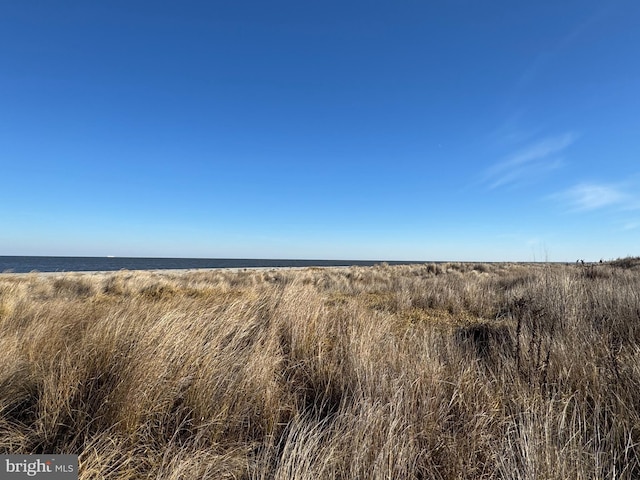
x=435 y=371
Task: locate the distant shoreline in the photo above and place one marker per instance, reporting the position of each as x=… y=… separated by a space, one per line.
x=181 y=271
x=26 y=264
x=163 y=271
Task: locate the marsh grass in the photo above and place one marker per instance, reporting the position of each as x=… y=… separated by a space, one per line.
x=435 y=371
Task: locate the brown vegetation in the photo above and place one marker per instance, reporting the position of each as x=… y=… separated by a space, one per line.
x=427 y=372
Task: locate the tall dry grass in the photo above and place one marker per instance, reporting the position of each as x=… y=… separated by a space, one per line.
x=426 y=372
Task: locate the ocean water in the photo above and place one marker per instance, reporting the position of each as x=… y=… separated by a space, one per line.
x=80 y=264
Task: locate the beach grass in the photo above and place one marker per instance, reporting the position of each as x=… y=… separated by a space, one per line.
x=431 y=371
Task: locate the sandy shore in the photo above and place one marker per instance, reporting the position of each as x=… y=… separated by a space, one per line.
x=166 y=271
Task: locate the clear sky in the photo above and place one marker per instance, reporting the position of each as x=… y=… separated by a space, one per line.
x=421 y=130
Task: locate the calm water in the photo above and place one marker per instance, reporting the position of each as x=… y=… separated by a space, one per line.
x=79 y=264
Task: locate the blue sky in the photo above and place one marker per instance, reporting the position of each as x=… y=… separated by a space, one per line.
x=445 y=130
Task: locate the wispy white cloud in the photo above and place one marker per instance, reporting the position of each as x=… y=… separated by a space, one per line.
x=532 y=161
x=585 y=197
x=620 y=202
x=631 y=225
x=593 y=196
x=514 y=130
